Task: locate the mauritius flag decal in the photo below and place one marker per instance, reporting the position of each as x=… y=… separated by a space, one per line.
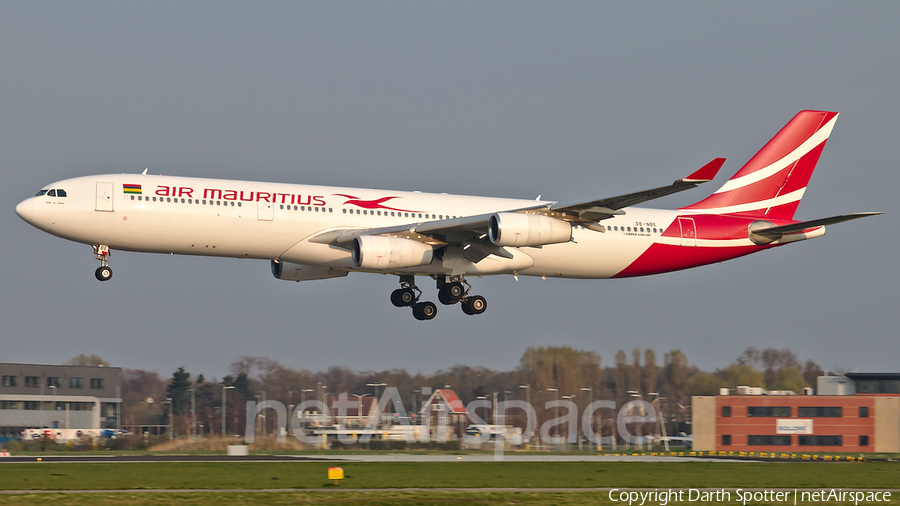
x=132 y=188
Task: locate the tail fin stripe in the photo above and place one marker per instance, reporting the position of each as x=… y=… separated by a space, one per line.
x=811 y=143
x=768 y=203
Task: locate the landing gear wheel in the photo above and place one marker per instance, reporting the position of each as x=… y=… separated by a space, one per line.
x=474 y=305
x=450 y=293
x=103 y=273
x=424 y=310
x=403 y=297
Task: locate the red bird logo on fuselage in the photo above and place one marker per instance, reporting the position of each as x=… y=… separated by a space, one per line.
x=372 y=204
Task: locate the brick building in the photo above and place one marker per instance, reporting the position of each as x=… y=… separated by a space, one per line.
x=857 y=412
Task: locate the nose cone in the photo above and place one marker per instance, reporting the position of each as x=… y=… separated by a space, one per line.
x=26 y=210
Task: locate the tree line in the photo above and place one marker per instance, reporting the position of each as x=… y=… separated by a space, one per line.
x=544 y=373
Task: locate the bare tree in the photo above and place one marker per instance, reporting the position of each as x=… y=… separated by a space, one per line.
x=90 y=360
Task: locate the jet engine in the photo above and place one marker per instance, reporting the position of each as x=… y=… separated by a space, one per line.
x=289 y=271
x=519 y=229
x=378 y=252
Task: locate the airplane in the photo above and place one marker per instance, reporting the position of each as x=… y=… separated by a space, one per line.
x=318 y=232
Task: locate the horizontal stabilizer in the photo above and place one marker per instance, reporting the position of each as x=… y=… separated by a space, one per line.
x=762 y=234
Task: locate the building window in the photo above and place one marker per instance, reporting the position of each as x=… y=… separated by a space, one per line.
x=726 y=411
x=54 y=381
x=33 y=405
x=10 y=381
x=878 y=386
x=863 y=440
x=9 y=404
x=864 y=412
x=769 y=411
x=32 y=381
x=97 y=383
x=820 y=440
x=76 y=383
x=820 y=411
x=769 y=440
x=726 y=439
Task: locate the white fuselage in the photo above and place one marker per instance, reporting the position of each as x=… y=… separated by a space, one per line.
x=212 y=217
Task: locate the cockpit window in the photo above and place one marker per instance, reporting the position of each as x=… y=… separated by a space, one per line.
x=51 y=193
x=61 y=193
x=42 y=192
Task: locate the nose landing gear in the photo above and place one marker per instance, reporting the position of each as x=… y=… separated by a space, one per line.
x=104 y=272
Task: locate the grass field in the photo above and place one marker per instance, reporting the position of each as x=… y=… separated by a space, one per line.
x=438 y=498
x=318 y=498
x=310 y=475
x=311 y=486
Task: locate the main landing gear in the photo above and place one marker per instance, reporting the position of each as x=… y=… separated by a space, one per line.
x=101 y=252
x=408 y=296
x=450 y=291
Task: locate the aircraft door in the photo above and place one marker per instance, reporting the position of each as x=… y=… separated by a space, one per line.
x=688 y=231
x=265 y=211
x=104 y=197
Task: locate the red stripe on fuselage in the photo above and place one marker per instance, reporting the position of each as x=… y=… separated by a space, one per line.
x=661 y=258
x=666 y=257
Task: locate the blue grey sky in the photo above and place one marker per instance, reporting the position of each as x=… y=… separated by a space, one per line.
x=514 y=99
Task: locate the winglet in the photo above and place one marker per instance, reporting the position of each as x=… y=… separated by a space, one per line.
x=706 y=173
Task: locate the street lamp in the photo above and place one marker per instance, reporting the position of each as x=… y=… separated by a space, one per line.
x=171 y=421
x=303 y=401
x=193 y=408
x=569 y=398
x=359 y=408
x=527 y=389
x=376 y=385
x=325 y=401
x=661 y=417
x=290 y=411
x=224 y=389
x=590 y=391
x=505 y=400
x=637 y=395
x=555 y=408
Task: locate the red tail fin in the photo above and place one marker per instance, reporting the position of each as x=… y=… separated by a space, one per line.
x=773 y=181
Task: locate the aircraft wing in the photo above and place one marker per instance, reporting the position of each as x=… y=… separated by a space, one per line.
x=470 y=232
x=594 y=210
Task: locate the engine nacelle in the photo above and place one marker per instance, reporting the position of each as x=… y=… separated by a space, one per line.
x=298 y=272
x=378 y=252
x=519 y=229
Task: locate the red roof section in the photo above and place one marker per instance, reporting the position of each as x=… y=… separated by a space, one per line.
x=456 y=405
